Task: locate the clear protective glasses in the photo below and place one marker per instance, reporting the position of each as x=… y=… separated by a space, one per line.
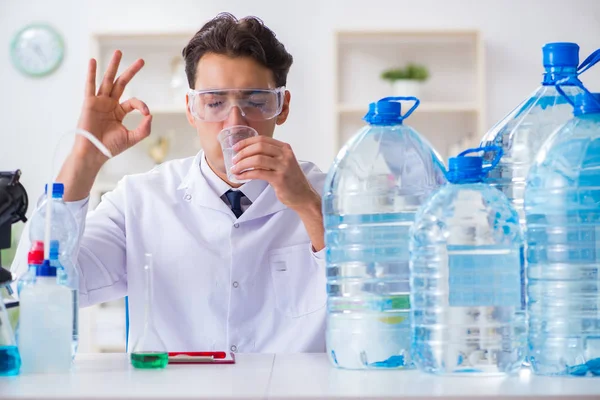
x=254 y=104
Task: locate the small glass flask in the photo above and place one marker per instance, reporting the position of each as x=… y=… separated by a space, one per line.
x=149 y=352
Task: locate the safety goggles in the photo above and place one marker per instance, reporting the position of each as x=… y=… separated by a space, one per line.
x=254 y=104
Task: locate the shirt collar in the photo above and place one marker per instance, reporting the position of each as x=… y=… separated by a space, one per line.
x=205 y=188
x=218 y=185
x=200 y=169
x=251 y=189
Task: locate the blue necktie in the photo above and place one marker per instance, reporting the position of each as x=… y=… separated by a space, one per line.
x=235 y=199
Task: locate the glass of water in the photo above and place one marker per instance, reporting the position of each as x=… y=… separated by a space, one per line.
x=228 y=137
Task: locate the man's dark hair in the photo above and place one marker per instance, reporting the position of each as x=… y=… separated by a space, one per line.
x=247 y=37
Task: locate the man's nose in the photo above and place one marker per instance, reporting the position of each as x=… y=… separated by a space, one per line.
x=235 y=117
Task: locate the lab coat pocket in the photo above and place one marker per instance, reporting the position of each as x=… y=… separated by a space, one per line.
x=299 y=283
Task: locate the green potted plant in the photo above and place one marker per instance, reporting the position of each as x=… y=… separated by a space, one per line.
x=406 y=81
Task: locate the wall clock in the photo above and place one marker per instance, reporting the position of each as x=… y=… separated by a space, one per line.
x=37 y=50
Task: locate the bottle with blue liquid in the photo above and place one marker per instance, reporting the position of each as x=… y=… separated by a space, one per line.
x=10 y=359
x=524 y=130
x=372 y=192
x=467 y=311
x=562 y=207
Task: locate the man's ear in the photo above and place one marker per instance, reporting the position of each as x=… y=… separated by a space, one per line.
x=188 y=114
x=285 y=110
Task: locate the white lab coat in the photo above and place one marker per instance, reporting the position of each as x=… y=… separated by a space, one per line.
x=249 y=285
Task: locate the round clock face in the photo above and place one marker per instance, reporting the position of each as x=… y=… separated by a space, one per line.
x=37 y=50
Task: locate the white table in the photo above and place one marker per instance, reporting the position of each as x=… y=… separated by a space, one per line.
x=289 y=376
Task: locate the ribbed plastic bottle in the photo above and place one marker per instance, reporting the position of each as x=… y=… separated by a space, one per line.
x=562 y=207
x=466 y=246
x=375 y=186
x=524 y=130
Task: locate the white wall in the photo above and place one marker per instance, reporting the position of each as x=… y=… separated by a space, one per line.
x=35 y=112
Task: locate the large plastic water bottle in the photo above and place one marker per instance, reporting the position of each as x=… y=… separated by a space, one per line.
x=465 y=271
x=562 y=206
x=525 y=129
x=63 y=238
x=377 y=182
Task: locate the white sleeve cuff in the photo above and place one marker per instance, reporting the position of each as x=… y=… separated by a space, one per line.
x=78 y=207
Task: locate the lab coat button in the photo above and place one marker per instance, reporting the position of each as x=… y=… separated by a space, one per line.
x=188 y=197
x=234 y=348
x=235 y=284
x=236 y=225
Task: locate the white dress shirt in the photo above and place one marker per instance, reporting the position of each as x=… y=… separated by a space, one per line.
x=251 y=284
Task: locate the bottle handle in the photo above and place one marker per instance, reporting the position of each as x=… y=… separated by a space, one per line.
x=589 y=62
x=399 y=99
x=486 y=167
x=574 y=82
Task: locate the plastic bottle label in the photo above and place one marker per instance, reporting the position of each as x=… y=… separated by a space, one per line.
x=484 y=277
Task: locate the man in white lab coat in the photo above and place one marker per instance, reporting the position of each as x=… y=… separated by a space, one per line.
x=237 y=267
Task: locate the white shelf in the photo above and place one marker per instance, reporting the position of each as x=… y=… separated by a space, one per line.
x=407 y=35
x=452 y=105
x=168 y=110
x=164 y=110
x=428 y=107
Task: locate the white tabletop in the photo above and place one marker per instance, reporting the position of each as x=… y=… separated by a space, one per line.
x=284 y=376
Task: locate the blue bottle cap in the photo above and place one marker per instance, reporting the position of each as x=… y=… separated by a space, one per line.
x=54 y=247
x=384 y=112
x=465 y=169
x=45 y=269
x=586 y=103
x=58 y=190
x=561 y=54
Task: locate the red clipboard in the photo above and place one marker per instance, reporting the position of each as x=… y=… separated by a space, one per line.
x=201 y=357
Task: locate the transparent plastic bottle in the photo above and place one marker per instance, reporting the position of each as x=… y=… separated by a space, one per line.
x=524 y=130
x=63 y=227
x=63 y=238
x=45 y=323
x=562 y=207
x=377 y=182
x=149 y=351
x=465 y=271
x=69 y=277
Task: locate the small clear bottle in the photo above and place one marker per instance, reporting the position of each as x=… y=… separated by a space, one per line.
x=149 y=351
x=45 y=323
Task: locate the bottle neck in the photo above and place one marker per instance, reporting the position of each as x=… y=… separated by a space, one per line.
x=45 y=280
x=595 y=117
x=555 y=74
x=148 y=295
x=462 y=177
